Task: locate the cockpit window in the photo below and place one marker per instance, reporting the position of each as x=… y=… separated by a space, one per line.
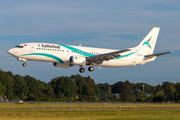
x=19 y=46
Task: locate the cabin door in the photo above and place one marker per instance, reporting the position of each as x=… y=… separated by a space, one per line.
x=32 y=48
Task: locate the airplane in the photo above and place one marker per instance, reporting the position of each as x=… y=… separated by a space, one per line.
x=65 y=56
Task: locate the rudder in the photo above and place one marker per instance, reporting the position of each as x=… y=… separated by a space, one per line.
x=147 y=45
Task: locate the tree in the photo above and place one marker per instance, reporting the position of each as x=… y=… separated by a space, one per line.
x=127 y=92
x=49 y=90
x=177 y=93
x=169 y=90
x=20 y=88
x=158 y=90
x=105 y=90
x=7 y=81
x=79 y=82
x=68 y=86
x=54 y=86
x=90 y=88
x=140 y=96
x=117 y=87
x=148 y=89
x=64 y=86
x=33 y=85
x=2 y=89
x=45 y=90
x=158 y=93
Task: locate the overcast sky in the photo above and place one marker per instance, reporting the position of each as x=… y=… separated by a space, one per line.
x=112 y=24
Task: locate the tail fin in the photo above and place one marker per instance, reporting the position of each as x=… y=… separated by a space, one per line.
x=147 y=45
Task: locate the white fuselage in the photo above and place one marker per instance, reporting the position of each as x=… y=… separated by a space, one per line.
x=60 y=53
x=65 y=56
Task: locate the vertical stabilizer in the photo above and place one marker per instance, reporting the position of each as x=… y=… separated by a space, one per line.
x=147 y=45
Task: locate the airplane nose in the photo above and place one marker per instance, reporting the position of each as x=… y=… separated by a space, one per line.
x=10 y=51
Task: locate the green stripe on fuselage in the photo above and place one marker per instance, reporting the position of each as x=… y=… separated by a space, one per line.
x=83 y=53
x=78 y=51
x=87 y=54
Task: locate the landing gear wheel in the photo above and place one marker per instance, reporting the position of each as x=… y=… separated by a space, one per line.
x=24 y=64
x=91 y=69
x=81 y=70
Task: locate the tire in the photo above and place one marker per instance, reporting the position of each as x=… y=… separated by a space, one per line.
x=81 y=70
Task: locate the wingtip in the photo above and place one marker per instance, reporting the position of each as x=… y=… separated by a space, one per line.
x=156 y=27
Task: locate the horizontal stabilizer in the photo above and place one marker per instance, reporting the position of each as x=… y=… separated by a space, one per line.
x=155 y=55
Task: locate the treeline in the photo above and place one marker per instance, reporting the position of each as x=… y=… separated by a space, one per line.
x=78 y=88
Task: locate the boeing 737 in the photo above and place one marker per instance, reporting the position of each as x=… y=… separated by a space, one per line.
x=65 y=56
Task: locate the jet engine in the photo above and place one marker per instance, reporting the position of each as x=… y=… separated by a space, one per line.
x=61 y=65
x=77 y=60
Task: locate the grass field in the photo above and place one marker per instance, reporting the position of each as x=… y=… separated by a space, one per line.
x=88 y=111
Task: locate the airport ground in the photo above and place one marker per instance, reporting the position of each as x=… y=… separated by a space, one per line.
x=88 y=111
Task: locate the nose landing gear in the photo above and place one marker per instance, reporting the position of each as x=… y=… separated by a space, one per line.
x=24 y=60
x=24 y=64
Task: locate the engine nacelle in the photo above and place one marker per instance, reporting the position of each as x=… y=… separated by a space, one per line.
x=61 y=65
x=77 y=60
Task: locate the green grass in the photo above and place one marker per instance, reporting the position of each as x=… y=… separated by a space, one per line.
x=88 y=111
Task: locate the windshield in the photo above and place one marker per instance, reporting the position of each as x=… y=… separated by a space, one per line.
x=19 y=46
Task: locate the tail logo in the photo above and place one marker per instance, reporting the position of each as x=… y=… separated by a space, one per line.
x=147 y=43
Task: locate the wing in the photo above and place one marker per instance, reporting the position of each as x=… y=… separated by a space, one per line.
x=158 y=54
x=98 y=59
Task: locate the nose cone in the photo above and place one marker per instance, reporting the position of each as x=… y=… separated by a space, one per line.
x=13 y=52
x=10 y=51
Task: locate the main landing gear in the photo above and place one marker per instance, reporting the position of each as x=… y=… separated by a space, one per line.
x=81 y=70
x=91 y=69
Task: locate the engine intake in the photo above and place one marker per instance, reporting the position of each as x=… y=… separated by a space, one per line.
x=77 y=60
